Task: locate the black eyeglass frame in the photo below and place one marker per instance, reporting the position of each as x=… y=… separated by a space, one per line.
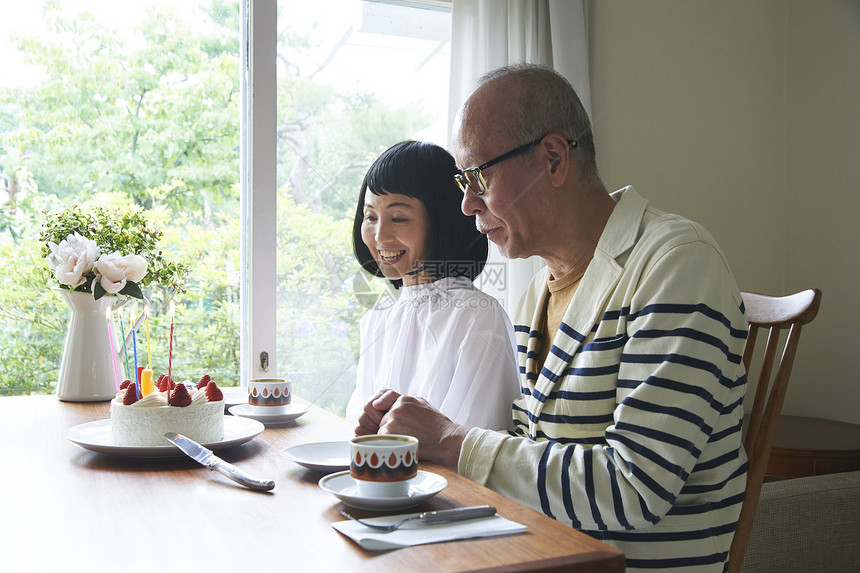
x=463 y=180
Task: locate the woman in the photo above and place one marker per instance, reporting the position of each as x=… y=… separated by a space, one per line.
x=442 y=339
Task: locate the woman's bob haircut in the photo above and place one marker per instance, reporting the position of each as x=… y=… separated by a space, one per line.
x=425 y=171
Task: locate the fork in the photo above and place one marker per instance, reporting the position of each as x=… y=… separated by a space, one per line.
x=432 y=517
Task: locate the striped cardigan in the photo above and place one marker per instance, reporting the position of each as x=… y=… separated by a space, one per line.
x=632 y=430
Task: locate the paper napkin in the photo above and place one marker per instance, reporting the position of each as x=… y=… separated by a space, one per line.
x=418 y=533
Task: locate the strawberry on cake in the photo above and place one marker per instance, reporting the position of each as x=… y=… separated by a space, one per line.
x=195 y=411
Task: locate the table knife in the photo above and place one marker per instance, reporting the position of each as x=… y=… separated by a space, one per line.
x=204 y=456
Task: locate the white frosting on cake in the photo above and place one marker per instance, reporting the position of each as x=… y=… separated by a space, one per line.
x=145 y=422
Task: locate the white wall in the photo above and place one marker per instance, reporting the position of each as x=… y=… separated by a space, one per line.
x=745 y=116
x=822 y=124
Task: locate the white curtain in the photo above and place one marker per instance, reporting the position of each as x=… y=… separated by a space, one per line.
x=488 y=34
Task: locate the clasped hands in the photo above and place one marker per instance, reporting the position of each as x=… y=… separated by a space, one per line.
x=439 y=439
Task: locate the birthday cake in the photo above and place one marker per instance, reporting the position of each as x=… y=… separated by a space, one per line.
x=195 y=411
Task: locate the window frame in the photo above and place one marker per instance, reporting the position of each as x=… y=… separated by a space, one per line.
x=258 y=290
x=258 y=203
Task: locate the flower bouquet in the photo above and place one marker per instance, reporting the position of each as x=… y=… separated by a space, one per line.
x=107 y=252
x=91 y=254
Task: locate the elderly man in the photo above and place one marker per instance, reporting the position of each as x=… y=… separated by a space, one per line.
x=629 y=342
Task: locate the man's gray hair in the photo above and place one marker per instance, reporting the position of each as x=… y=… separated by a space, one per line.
x=544 y=102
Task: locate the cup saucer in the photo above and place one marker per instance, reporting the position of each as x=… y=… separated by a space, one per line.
x=423 y=486
x=292 y=412
x=320 y=456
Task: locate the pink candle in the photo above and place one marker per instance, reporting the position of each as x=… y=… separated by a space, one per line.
x=112 y=349
x=170 y=349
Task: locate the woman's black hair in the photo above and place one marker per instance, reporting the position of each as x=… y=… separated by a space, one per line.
x=425 y=171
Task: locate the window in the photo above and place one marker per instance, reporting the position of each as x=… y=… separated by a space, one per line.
x=353 y=79
x=118 y=104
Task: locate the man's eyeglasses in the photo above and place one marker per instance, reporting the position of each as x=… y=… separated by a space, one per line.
x=473 y=176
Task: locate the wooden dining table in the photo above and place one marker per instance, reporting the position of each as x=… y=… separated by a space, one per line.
x=67 y=508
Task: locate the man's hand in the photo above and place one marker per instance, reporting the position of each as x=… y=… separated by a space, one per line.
x=378 y=405
x=439 y=439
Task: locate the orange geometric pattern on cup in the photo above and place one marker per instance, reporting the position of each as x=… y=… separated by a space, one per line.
x=265 y=397
x=393 y=467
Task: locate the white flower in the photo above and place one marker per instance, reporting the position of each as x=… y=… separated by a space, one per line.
x=115 y=270
x=72 y=259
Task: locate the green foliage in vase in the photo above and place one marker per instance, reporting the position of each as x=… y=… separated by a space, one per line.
x=125 y=232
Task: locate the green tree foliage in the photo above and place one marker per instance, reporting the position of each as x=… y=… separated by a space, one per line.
x=153 y=122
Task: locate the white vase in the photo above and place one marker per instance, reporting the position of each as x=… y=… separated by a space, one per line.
x=87 y=367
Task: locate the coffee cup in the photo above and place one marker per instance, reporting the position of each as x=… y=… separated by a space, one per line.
x=383 y=464
x=269 y=395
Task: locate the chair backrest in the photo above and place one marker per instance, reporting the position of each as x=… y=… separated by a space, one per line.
x=775 y=314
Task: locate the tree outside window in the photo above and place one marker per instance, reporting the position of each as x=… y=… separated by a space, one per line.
x=146 y=116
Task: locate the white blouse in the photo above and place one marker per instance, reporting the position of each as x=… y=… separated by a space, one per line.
x=444 y=341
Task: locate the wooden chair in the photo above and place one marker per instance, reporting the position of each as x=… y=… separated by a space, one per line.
x=776 y=314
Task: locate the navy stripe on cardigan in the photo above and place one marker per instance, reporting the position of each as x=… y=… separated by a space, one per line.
x=692 y=334
x=707 y=507
x=651 y=455
x=592 y=370
x=588 y=463
x=577 y=395
x=541 y=481
x=596 y=440
x=573 y=395
x=676 y=562
x=728 y=432
x=617 y=501
x=706 y=488
x=565 y=328
x=676 y=308
x=568 y=419
x=717 y=461
x=679 y=413
x=651 y=483
x=654 y=435
x=667 y=384
x=566 y=489
x=656 y=537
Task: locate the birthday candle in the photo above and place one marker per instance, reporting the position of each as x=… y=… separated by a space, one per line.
x=136 y=377
x=112 y=349
x=170 y=348
x=124 y=344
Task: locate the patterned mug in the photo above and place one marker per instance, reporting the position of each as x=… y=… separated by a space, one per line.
x=269 y=395
x=383 y=464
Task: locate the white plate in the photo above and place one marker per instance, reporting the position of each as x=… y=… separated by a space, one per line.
x=245 y=411
x=320 y=456
x=234 y=395
x=424 y=486
x=96 y=436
